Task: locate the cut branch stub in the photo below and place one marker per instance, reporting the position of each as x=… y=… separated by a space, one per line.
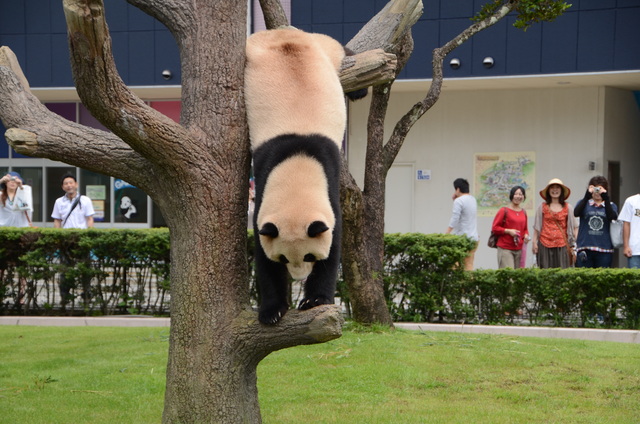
x=372 y=67
x=9 y=59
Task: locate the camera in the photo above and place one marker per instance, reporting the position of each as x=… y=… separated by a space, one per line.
x=596 y=189
x=12 y=179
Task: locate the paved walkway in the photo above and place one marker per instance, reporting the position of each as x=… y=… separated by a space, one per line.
x=622 y=336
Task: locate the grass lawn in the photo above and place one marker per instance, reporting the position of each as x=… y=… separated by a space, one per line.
x=116 y=375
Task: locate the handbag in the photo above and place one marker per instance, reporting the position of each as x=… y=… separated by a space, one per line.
x=615 y=231
x=493 y=238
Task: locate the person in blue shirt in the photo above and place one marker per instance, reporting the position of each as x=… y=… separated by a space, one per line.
x=596 y=211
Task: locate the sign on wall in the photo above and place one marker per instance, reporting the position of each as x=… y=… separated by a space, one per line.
x=496 y=173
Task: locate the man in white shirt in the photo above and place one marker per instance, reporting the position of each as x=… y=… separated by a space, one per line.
x=72 y=210
x=630 y=216
x=464 y=219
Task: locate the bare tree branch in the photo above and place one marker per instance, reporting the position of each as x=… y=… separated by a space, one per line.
x=315 y=325
x=34 y=130
x=101 y=88
x=386 y=29
x=174 y=14
x=405 y=124
x=274 y=15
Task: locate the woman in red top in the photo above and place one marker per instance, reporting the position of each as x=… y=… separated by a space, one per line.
x=554 y=228
x=512 y=227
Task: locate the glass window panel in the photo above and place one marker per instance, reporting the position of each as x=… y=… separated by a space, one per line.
x=98 y=188
x=54 y=187
x=130 y=203
x=33 y=178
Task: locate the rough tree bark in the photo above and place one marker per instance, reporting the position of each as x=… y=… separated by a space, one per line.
x=196 y=172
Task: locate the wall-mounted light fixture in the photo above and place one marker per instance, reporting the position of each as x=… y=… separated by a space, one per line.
x=167 y=75
x=488 y=62
x=454 y=63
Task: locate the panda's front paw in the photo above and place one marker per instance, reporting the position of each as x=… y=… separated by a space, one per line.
x=272 y=315
x=312 y=302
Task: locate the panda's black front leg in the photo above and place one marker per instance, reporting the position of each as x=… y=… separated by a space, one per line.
x=320 y=286
x=272 y=279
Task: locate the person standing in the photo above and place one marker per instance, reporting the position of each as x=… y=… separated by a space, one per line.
x=554 y=229
x=15 y=201
x=630 y=217
x=72 y=210
x=512 y=228
x=596 y=212
x=464 y=219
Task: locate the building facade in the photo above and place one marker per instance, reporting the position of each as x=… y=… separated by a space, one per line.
x=560 y=99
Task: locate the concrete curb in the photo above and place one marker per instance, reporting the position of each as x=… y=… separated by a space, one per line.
x=621 y=336
x=107 y=321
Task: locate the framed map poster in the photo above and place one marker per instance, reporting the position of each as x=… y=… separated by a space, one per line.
x=496 y=173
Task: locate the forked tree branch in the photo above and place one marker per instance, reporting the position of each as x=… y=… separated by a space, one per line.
x=101 y=89
x=405 y=124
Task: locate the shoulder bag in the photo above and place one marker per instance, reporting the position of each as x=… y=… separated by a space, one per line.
x=493 y=238
x=615 y=231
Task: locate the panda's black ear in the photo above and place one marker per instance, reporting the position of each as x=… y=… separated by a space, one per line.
x=269 y=229
x=316 y=227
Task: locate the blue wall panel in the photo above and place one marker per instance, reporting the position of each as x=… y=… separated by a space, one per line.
x=559 y=41
x=627 y=39
x=301 y=13
x=425 y=39
x=358 y=11
x=61 y=75
x=141 y=56
x=38 y=14
x=492 y=42
x=4 y=146
x=117 y=16
x=596 y=32
x=120 y=47
x=456 y=9
x=38 y=63
x=12 y=17
x=449 y=29
x=167 y=56
x=327 y=12
x=523 y=49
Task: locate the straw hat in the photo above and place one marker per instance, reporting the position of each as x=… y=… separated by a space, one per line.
x=558 y=181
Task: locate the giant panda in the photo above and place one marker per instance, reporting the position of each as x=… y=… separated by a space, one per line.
x=297 y=117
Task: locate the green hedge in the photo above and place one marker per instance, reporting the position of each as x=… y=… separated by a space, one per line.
x=127 y=271
x=105 y=271
x=424 y=282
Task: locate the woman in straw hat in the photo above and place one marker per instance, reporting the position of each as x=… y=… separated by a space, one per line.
x=554 y=228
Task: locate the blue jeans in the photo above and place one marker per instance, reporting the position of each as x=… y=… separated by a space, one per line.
x=593 y=259
x=634 y=262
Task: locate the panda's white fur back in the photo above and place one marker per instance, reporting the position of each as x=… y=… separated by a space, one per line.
x=292 y=85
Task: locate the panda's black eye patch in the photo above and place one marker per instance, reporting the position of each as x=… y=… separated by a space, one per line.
x=283 y=259
x=309 y=258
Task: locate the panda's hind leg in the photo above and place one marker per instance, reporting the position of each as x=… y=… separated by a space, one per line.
x=320 y=286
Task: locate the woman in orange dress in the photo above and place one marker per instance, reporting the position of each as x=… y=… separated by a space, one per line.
x=554 y=228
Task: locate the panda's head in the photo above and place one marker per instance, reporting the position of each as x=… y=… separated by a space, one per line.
x=296 y=245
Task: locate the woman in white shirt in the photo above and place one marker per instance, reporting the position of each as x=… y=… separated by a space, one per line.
x=15 y=202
